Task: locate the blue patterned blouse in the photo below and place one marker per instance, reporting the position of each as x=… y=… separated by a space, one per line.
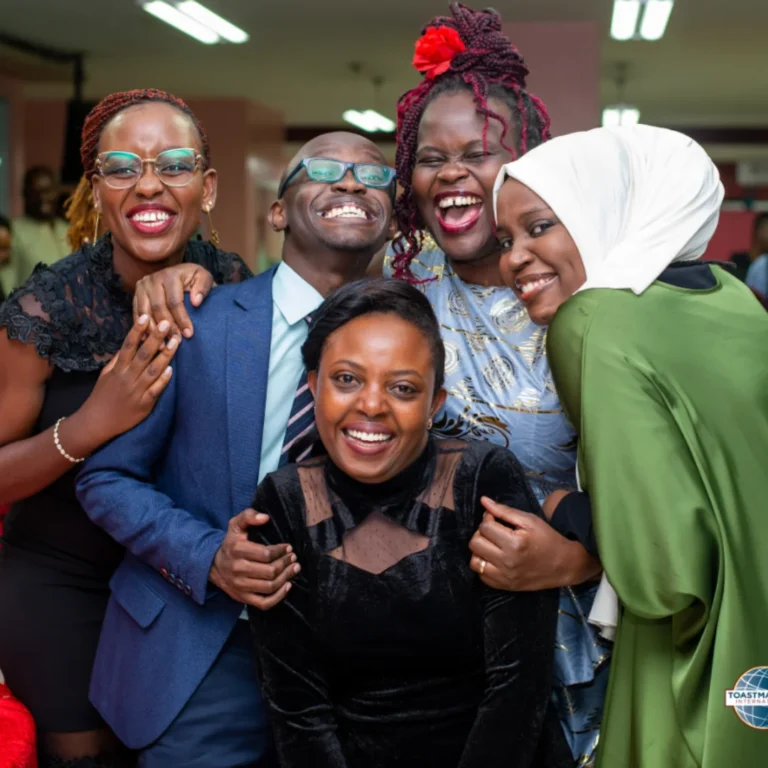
x=500 y=389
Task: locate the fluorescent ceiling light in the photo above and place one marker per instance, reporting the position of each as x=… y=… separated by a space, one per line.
x=182 y=22
x=655 y=19
x=359 y=120
x=620 y=115
x=369 y=121
x=624 y=21
x=213 y=21
x=383 y=123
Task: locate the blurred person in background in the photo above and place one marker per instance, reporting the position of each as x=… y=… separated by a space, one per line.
x=40 y=235
x=744 y=259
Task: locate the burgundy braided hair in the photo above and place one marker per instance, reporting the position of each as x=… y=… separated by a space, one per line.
x=79 y=208
x=490 y=67
x=112 y=105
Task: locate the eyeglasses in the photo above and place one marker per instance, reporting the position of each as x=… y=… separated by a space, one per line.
x=330 y=171
x=174 y=167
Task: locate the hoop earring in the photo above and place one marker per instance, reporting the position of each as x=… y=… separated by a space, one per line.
x=96 y=228
x=214 y=233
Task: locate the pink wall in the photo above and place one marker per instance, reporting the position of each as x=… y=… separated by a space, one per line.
x=11 y=90
x=44 y=125
x=564 y=59
x=734 y=233
x=225 y=121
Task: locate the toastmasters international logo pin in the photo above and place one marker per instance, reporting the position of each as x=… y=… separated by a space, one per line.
x=749 y=698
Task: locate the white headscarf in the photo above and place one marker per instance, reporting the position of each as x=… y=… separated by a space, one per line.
x=634 y=199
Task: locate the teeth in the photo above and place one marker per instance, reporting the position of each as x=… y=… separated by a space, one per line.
x=346 y=211
x=151 y=217
x=368 y=437
x=534 y=285
x=448 y=202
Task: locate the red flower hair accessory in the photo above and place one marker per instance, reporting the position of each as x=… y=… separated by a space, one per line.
x=435 y=50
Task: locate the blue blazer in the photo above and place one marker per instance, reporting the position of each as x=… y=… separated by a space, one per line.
x=166 y=490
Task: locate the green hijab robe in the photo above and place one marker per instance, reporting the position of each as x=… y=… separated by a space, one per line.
x=667 y=388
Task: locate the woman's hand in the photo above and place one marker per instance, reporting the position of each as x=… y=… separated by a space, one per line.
x=161 y=296
x=529 y=556
x=130 y=384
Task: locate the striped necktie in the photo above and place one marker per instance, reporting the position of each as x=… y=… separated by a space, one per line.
x=301 y=420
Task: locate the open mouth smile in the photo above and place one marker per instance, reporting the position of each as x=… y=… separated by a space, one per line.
x=457 y=211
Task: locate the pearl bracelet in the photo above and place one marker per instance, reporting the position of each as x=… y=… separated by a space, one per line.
x=56 y=440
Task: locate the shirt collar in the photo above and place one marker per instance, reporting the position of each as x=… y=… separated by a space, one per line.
x=293 y=296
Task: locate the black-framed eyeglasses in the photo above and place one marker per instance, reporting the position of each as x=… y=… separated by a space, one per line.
x=174 y=167
x=330 y=171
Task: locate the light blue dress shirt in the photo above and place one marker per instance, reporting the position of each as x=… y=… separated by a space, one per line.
x=293 y=298
x=757 y=275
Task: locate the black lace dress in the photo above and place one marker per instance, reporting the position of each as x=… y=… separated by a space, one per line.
x=55 y=564
x=389 y=652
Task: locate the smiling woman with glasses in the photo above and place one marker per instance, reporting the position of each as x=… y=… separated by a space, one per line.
x=147 y=159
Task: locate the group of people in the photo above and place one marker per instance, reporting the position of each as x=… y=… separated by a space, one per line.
x=319 y=517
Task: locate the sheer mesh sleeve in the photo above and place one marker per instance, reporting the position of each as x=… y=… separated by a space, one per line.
x=291 y=673
x=70 y=321
x=519 y=637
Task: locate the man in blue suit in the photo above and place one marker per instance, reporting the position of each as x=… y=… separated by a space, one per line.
x=174 y=675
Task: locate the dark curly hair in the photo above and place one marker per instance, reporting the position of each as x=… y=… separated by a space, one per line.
x=366 y=297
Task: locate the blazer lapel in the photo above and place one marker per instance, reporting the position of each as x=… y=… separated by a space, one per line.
x=249 y=335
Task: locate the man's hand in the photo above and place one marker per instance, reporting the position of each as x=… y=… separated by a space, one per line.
x=528 y=556
x=161 y=295
x=251 y=573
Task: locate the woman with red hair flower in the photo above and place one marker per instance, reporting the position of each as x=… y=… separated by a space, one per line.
x=470 y=114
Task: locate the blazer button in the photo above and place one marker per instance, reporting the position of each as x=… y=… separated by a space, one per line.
x=187 y=590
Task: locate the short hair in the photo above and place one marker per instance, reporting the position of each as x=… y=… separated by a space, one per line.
x=760 y=219
x=367 y=297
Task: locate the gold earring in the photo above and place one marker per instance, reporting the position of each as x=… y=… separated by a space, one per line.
x=429 y=425
x=214 y=233
x=96 y=227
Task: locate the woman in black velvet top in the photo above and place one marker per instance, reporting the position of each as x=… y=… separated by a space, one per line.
x=388 y=649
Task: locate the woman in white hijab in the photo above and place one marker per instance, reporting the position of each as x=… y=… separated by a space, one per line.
x=660 y=362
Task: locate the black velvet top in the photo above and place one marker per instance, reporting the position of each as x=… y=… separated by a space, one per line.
x=389 y=650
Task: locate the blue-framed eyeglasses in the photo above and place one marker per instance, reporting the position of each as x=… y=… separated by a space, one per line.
x=330 y=171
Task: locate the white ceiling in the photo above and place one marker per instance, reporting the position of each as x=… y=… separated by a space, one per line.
x=710 y=69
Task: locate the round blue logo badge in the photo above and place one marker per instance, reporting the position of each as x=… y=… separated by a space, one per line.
x=749 y=698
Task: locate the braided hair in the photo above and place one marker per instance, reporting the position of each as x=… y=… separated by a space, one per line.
x=79 y=208
x=490 y=67
x=81 y=215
